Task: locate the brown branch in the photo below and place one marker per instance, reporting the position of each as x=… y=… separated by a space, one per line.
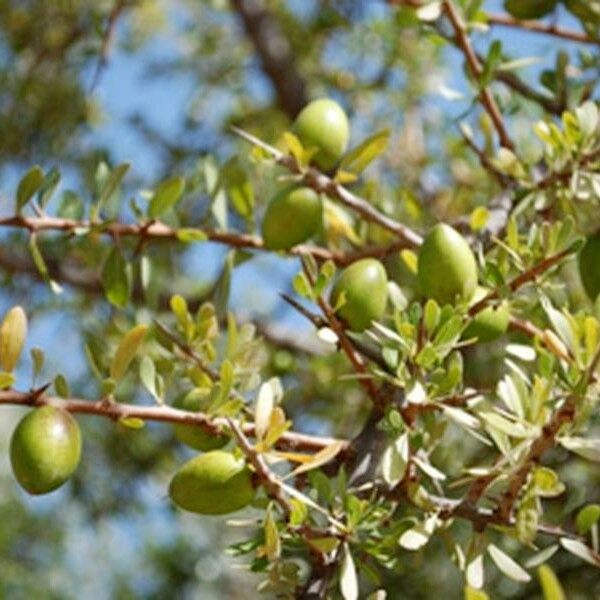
x=107 y=38
x=565 y=175
x=543 y=28
x=516 y=84
x=321 y=183
x=527 y=276
x=290 y=440
x=268 y=479
x=156 y=230
x=275 y=53
x=544 y=442
x=485 y=95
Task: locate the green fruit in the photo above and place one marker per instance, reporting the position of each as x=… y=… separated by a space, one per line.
x=364 y=284
x=446 y=267
x=192 y=435
x=488 y=324
x=323 y=125
x=529 y=9
x=293 y=215
x=589 y=266
x=45 y=449
x=215 y=483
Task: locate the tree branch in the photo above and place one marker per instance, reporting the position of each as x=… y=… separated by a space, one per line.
x=543 y=28
x=289 y=440
x=275 y=54
x=485 y=95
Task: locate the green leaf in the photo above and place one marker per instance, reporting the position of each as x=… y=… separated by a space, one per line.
x=148 y=376
x=579 y=549
x=431 y=316
x=547 y=483
x=348 y=577
x=394 y=461
x=37 y=358
x=473 y=594
x=239 y=188
x=550 y=584
x=299 y=512
x=126 y=351
x=28 y=186
x=40 y=264
x=479 y=218
x=116 y=279
x=587 y=517
x=587 y=448
x=49 y=185
x=7 y=380
x=507 y=565
x=107 y=186
x=189 y=235
x=166 y=196
x=359 y=158
x=132 y=422
x=223 y=287
x=61 y=386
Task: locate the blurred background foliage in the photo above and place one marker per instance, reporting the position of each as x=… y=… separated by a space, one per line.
x=158 y=83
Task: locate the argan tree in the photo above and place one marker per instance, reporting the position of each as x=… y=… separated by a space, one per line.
x=414 y=413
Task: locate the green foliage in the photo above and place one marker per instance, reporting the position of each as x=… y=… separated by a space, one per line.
x=443 y=465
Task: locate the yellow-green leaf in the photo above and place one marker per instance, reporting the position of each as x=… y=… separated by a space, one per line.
x=29 y=185
x=132 y=422
x=320 y=458
x=126 y=351
x=166 y=196
x=479 y=218
x=13 y=332
x=550 y=585
x=359 y=158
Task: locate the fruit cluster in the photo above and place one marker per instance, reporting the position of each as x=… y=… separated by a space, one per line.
x=45 y=448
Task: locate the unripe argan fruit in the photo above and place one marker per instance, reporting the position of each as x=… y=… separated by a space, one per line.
x=446 y=269
x=529 y=9
x=45 y=449
x=192 y=435
x=589 y=266
x=215 y=483
x=293 y=215
x=488 y=324
x=323 y=125
x=364 y=284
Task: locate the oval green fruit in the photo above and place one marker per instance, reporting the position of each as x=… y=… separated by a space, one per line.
x=364 y=284
x=215 y=483
x=589 y=266
x=293 y=215
x=323 y=124
x=529 y=9
x=45 y=449
x=488 y=324
x=191 y=435
x=446 y=269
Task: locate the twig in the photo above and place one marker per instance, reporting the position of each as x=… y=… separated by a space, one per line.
x=116 y=410
x=268 y=479
x=107 y=38
x=485 y=95
x=544 y=442
x=159 y=231
x=543 y=28
x=522 y=279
